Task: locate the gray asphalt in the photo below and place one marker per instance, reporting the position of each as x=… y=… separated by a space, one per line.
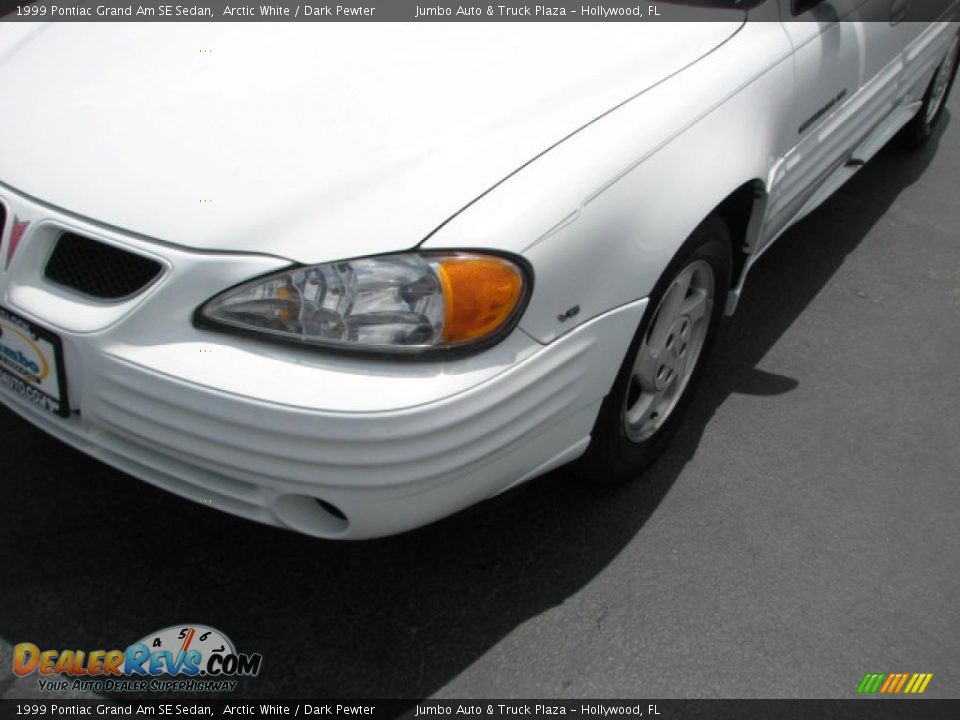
x=802 y=530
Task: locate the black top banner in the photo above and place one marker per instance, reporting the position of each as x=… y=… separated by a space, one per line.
x=368 y=10
x=502 y=11
x=487 y=709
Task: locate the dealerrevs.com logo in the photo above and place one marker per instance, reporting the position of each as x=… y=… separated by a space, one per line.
x=180 y=658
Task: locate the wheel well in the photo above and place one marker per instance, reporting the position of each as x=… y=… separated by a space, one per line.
x=738 y=211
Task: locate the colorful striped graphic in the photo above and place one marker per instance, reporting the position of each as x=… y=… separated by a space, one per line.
x=894 y=683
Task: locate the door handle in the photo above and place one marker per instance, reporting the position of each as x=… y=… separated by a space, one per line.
x=898 y=11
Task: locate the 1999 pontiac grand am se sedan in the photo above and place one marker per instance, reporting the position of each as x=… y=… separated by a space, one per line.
x=348 y=279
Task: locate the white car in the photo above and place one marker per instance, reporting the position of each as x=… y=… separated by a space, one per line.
x=348 y=279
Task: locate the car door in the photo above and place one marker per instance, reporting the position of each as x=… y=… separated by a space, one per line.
x=845 y=75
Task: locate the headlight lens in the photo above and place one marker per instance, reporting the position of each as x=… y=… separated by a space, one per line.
x=394 y=303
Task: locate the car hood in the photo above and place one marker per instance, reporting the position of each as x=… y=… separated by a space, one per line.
x=306 y=141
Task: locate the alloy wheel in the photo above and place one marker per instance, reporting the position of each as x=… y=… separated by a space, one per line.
x=667 y=356
x=941 y=81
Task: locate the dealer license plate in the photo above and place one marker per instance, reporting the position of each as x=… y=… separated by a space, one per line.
x=31 y=363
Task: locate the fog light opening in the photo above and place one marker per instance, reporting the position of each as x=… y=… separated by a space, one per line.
x=332 y=509
x=311 y=515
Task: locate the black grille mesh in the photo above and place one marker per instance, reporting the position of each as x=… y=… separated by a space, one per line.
x=99 y=270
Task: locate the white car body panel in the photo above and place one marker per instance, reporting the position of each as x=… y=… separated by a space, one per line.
x=594 y=173
x=261 y=430
x=606 y=186
x=354 y=148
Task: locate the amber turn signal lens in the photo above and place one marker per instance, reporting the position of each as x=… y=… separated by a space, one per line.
x=479 y=293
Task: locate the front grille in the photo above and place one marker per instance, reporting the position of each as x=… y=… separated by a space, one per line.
x=99 y=270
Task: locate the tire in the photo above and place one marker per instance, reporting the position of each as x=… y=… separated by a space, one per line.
x=918 y=131
x=665 y=359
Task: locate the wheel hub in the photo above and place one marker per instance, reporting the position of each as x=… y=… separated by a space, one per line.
x=675 y=350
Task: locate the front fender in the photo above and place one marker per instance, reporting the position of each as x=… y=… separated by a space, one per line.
x=601 y=215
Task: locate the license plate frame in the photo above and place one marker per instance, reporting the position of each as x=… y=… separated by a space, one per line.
x=31 y=363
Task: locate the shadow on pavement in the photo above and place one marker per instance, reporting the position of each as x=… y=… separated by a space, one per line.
x=94 y=559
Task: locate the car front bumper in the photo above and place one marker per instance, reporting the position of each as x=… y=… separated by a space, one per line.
x=266 y=431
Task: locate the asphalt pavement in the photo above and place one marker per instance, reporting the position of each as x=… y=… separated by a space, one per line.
x=803 y=529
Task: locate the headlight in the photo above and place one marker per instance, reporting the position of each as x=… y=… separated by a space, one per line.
x=409 y=303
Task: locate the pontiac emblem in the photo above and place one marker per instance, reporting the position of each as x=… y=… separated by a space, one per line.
x=16 y=233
